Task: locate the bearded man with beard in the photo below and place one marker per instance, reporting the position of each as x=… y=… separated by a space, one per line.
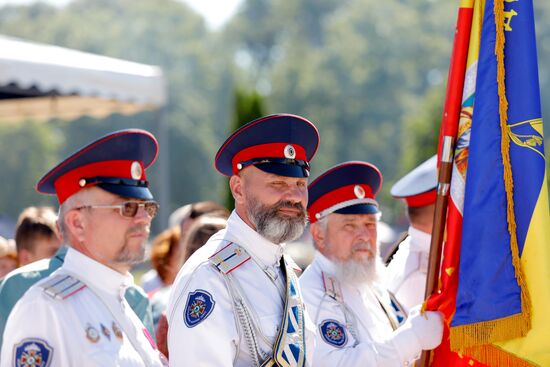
x=237 y=301
x=359 y=323
x=77 y=316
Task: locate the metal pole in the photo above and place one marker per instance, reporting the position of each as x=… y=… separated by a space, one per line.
x=449 y=129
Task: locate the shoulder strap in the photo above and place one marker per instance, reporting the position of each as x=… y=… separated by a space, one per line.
x=62 y=286
x=332 y=287
x=229 y=258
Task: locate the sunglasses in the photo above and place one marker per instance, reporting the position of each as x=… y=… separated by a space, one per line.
x=129 y=208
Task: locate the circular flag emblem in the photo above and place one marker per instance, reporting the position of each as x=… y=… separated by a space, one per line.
x=333 y=333
x=199 y=306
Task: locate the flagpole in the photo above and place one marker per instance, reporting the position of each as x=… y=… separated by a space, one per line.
x=448 y=133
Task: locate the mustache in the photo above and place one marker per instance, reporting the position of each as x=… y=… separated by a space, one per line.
x=362 y=246
x=290 y=205
x=139 y=228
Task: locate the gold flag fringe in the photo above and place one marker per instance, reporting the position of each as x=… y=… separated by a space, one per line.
x=471 y=335
x=508 y=178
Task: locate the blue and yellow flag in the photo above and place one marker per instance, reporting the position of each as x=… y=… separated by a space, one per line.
x=503 y=294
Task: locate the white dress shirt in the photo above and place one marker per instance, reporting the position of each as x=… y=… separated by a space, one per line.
x=218 y=339
x=88 y=327
x=362 y=331
x=406 y=273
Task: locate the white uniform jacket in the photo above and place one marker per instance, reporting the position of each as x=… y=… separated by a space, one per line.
x=212 y=335
x=61 y=321
x=406 y=273
x=353 y=328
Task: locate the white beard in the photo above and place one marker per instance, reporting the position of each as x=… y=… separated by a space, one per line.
x=360 y=272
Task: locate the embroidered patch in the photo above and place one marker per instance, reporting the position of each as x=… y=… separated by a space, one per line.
x=33 y=353
x=199 y=306
x=333 y=333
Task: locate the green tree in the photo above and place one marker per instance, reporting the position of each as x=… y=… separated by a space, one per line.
x=172 y=36
x=28 y=151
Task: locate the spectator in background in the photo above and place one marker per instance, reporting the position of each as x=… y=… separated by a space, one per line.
x=164 y=255
x=165 y=251
x=36 y=234
x=8 y=256
x=202 y=229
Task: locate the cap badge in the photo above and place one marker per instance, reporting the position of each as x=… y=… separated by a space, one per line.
x=135 y=170
x=290 y=152
x=359 y=192
x=82 y=182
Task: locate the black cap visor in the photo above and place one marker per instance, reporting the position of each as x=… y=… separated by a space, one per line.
x=135 y=192
x=284 y=169
x=359 y=209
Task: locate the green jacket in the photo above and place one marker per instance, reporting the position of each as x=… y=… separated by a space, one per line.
x=16 y=283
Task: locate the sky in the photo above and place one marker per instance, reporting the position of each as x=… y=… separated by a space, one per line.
x=216 y=12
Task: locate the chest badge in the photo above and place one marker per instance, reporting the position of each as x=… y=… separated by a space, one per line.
x=333 y=333
x=106 y=331
x=92 y=334
x=117 y=331
x=199 y=306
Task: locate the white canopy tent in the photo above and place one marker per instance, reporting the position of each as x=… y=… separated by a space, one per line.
x=67 y=83
x=39 y=82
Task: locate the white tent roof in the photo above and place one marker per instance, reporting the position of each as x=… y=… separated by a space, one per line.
x=80 y=83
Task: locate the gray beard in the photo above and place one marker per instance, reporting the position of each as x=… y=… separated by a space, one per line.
x=127 y=257
x=275 y=227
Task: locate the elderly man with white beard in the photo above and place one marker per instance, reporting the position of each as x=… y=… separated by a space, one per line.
x=237 y=301
x=359 y=323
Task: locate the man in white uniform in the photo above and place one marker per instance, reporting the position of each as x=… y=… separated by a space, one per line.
x=236 y=301
x=358 y=321
x=407 y=271
x=78 y=315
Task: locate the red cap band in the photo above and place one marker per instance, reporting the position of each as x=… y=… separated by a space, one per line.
x=426 y=198
x=340 y=195
x=271 y=150
x=70 y=183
